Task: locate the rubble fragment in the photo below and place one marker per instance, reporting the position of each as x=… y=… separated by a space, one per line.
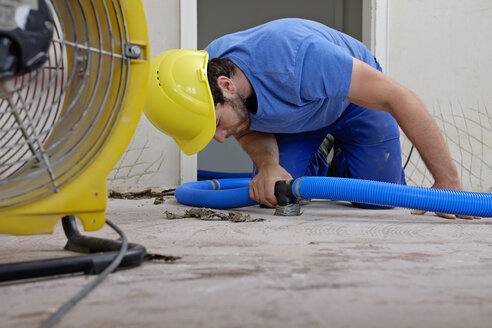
x=208 y=214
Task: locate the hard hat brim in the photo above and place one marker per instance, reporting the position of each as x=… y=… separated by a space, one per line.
x=180 y=102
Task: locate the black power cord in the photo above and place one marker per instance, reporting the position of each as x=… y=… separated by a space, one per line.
x=93 y=284
x=408 y=158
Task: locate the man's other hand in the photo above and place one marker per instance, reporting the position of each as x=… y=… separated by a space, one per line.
x=457 y=187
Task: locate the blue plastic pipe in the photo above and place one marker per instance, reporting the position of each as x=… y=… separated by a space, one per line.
x=221 y=193
x=233 y=193
x=204 y=174
x=389 y=194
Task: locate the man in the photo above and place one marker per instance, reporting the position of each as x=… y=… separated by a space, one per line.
x=282 y=87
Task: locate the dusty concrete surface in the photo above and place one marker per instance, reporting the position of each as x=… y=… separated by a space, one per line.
x=334 y=266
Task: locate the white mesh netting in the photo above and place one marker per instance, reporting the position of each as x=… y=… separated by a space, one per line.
x=468 y=134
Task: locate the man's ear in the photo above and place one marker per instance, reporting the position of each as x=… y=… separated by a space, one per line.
x=226 y=84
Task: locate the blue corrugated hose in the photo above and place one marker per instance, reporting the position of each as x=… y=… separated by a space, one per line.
x=204 y=174
x=233 y=193
x=220 y=193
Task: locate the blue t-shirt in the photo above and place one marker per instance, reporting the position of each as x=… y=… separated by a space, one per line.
x=300 y=71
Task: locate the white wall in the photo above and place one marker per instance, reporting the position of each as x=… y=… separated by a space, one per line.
x=442 y=49
x=219 y=17
x=152 y=160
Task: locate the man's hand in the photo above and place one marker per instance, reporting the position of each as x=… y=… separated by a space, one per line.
x=455 y=186
x=262 y=186
x=263 y=150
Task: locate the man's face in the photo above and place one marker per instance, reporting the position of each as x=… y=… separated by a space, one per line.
x=232 y=118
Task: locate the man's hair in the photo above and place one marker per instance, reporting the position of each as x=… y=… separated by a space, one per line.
x=219 y=67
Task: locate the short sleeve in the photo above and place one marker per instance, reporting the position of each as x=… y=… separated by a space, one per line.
x=325 y=71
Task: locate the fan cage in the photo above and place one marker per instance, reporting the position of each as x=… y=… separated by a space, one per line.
x=56 y=120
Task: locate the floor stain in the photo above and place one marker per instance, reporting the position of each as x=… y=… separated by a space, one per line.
x=207 y=273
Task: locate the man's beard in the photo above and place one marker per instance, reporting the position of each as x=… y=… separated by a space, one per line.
x=238 y=104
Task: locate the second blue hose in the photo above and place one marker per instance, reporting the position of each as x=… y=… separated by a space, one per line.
x=220 y=193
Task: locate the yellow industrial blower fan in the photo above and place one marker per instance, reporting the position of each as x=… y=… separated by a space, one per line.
x=73 y=78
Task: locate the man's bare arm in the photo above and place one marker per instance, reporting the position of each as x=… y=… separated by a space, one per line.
x=372 y=89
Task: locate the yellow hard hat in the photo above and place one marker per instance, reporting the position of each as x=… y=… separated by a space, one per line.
x=179 y=100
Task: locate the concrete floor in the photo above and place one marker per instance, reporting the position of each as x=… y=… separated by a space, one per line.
x=334 y=266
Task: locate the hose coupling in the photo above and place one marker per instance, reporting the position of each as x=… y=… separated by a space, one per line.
x=287 y=203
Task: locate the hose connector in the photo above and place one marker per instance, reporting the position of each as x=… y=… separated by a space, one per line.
x=287 y=203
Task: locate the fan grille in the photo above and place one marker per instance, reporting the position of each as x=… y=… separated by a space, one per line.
x=55 y=121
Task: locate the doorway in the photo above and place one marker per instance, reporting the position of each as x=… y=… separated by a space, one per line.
x=218 y=17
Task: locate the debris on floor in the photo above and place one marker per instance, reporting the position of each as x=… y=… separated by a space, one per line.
x=161 y=258
x=147 y=193
x=212 y=215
